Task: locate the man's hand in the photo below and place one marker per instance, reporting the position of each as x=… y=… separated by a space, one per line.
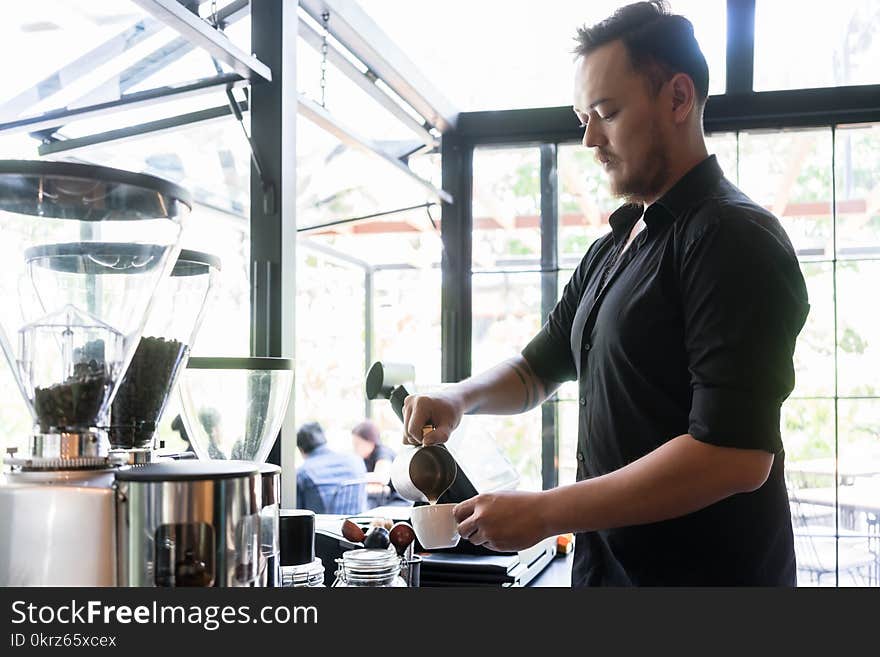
x=506 y=521
x=442 y=410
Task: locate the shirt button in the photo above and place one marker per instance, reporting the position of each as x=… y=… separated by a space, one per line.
x=587 y=346
x=580 y=457
x=583 y=401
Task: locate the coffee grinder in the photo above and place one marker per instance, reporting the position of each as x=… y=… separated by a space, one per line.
x=161 y=355
x=84 y=248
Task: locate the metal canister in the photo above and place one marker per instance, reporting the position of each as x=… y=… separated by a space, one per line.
x=299 y=565
x=270 y=504
x=188 y=523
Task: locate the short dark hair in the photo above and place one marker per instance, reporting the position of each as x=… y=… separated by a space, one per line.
x=659 y=44
x=368 y=431
x=309 y=437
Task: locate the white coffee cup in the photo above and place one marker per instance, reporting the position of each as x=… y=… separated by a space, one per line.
x=435 y=526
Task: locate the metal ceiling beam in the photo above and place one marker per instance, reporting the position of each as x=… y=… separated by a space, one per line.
x=132 y=132
x=158 y=59
x=203 y=35
x=59 y=117
x=366 y=83
x=324 y=120
x=355 y=30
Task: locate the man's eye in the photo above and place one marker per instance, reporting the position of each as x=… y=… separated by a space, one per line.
x=609 y=117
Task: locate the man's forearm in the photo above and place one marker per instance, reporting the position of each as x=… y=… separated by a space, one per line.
x=507 y=388
x=679 y=477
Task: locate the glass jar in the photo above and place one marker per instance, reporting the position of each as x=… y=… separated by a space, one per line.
x=305 y=575
x=369 y=568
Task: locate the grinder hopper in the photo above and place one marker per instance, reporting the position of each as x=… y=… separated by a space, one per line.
x=85 y=248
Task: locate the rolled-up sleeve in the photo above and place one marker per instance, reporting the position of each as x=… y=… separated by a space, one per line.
x=744 y=303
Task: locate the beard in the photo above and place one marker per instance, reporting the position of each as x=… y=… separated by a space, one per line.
x=649 y=179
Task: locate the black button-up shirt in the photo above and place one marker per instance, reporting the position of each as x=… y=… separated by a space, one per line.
x=693 y=332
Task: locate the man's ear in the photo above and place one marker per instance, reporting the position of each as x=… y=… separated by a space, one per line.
x=684 y=97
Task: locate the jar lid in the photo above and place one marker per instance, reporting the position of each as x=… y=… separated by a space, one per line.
x=368 y=561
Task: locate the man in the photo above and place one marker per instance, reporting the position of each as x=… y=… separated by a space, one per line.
x=679 y=327
x=327 y=481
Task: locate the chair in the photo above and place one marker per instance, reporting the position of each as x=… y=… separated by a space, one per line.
x=818 y=548
x=348 y=498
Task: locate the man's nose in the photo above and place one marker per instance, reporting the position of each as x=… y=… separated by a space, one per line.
x=593 y=135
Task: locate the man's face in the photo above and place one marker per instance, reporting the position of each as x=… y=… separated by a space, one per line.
x=362 y=447
x=622 y=122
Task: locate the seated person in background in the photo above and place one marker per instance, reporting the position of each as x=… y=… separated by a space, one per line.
x=328 y=481
x=377 y=459
x=177 y=425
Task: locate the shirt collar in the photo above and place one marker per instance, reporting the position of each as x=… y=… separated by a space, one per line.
x=691 y=188
x=320 y=449
x=623 y=219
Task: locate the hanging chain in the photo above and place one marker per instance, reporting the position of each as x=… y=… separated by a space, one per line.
x=214 y=20
x=324 y=47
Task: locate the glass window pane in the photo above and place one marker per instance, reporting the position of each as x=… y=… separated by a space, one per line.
x=55 y=34
x=211 y=159
x=814 y=351
x=858 y=330
x=835 y=524
x=516 y=55
x=710 y=27
x=194 y=64
x=568 y=435
x=568 y=391
x=506 y=315
x=519 y=439
x=82 y=54
x=407 y=240
x=226 y=327
x=14 y=416
x=816 y=556
x=824 y=560
x=859 y=447
x=239 y=32
x=585 y=202
x=790 y=174
x=835 y=46
x=346 y=101
x=857 y=158
x=808 y=435
x=857 y=559
x=406 y=320
x=507 y=209
x=724 y=146
x=335 y=182
x=330 y=358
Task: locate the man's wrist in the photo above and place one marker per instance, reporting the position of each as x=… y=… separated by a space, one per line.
x=549 y=511
x=465 y=400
